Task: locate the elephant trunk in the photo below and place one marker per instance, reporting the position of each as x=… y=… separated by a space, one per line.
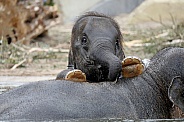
x=115 y=67
x=108 y=63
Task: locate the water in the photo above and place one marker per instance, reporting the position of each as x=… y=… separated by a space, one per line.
x=9 y=82
x=105 y=120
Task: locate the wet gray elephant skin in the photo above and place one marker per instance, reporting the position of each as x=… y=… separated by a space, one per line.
x=142 y=97
x=96 y=48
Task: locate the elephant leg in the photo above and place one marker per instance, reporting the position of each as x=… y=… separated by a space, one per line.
x=176 y=92
x=72 y=75
x=132 y=67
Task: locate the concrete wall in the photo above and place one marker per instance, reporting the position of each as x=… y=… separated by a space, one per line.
x=73 y=8
x=116 y=7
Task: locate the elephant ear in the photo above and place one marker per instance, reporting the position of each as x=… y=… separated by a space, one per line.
x=70 y=59
x=176 y=92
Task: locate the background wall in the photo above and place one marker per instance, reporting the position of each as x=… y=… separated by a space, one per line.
x=73 y=8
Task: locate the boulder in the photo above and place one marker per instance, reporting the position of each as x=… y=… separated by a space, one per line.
x=157 y=12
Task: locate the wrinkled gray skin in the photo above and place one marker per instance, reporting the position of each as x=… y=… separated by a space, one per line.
x=176 y=92
x=96 y=48
x=142 y=97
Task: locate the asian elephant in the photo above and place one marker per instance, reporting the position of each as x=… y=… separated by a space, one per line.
x=96 y=48
x=142 y=97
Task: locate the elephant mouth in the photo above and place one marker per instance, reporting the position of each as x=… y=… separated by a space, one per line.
x=97 y=72
x=89 y=63
x=103 y=73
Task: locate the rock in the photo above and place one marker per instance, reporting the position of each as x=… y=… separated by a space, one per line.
x=153 y=13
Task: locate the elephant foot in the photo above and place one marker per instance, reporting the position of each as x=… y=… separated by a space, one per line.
x=132 y=67
x=76 y=75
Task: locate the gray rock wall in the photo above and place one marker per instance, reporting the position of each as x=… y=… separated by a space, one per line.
x=116 y=7
x=73 y=8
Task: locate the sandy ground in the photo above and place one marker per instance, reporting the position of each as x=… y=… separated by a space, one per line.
x=58 y=37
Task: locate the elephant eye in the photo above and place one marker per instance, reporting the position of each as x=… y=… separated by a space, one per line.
x=84 y=42
x=117 y=43
x=117 y=46
x=84 y=39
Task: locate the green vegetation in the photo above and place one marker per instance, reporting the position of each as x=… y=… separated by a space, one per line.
x=49 y=2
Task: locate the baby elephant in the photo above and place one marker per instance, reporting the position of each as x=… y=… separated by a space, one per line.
x=96 y=52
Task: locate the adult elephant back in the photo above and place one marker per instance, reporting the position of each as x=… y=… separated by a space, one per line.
x=134 y=98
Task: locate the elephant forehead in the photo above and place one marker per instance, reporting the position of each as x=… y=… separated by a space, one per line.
x=100 y=26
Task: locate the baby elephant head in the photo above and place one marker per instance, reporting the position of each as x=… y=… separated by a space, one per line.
x=96 y=47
